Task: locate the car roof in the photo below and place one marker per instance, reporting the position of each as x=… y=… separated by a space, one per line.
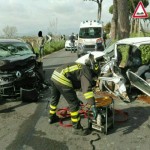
x=134 y=41
x=10 y=40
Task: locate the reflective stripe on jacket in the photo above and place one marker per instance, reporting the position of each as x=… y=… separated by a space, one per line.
x=61 y=78
x=75 y=76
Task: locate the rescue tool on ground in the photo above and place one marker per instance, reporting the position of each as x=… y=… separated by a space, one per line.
x=102 y=122
x=105 y=114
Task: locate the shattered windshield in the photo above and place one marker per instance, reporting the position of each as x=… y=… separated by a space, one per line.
x=92 y=32
x=9 y=49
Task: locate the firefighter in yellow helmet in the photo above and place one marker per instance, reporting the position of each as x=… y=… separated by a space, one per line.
x=68 y=78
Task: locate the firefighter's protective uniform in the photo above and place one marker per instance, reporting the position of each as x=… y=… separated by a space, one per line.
x=65 y=80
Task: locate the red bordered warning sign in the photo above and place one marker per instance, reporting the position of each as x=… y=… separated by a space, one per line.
x=140 y=11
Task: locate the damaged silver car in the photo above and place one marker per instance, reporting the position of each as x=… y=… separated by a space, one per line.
x=125 y=58
x=122 y=70
x=20 y=72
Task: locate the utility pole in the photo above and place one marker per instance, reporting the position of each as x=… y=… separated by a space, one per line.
x=99 y=12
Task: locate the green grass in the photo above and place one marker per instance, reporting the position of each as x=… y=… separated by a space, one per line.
x=145 y=49
x=145 y=53
x=51 y=47
x=141 y=34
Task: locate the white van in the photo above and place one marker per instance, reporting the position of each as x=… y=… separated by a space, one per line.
x=90 y=33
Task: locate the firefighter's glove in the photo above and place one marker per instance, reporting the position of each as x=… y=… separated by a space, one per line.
x=94 y=110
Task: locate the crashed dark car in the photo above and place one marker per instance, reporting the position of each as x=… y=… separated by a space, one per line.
x=20 y=72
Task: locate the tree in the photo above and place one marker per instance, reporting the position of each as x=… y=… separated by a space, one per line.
x=107 y=27
x=10 y=31
x=99 y=12
x=114 y=21
x=147 y=19
x=123 y=19
x=128 y=9
x=53 y=24
x=111 y=9
x=131 y=6
x=147 y=22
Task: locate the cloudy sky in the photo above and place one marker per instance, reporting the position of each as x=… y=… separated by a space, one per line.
x=57 y=16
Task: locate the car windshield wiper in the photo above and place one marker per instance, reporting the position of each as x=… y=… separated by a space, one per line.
x=27 y=53
x=21 y=54
x=12 y=54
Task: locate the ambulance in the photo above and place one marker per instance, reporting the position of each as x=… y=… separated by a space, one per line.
x=90 y=37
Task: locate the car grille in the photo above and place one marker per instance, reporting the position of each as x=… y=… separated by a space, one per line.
x=6 y=80
x=89 y=46
x=7 y=91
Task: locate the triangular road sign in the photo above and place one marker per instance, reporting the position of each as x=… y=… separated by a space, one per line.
x=140 y=11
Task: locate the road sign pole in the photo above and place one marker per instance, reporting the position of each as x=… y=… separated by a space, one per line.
x=139 y=26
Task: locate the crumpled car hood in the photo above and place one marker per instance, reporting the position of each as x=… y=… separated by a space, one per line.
x=17 y=62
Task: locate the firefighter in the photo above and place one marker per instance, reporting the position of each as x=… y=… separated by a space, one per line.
x=68 y=78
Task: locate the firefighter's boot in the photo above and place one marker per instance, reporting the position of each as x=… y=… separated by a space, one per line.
x=78 y=129
x=52 y=116
x=53 y=119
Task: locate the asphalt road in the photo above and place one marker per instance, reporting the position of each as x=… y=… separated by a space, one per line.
x=24 y=126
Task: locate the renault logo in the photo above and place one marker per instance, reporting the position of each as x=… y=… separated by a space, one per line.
x=18 y=74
